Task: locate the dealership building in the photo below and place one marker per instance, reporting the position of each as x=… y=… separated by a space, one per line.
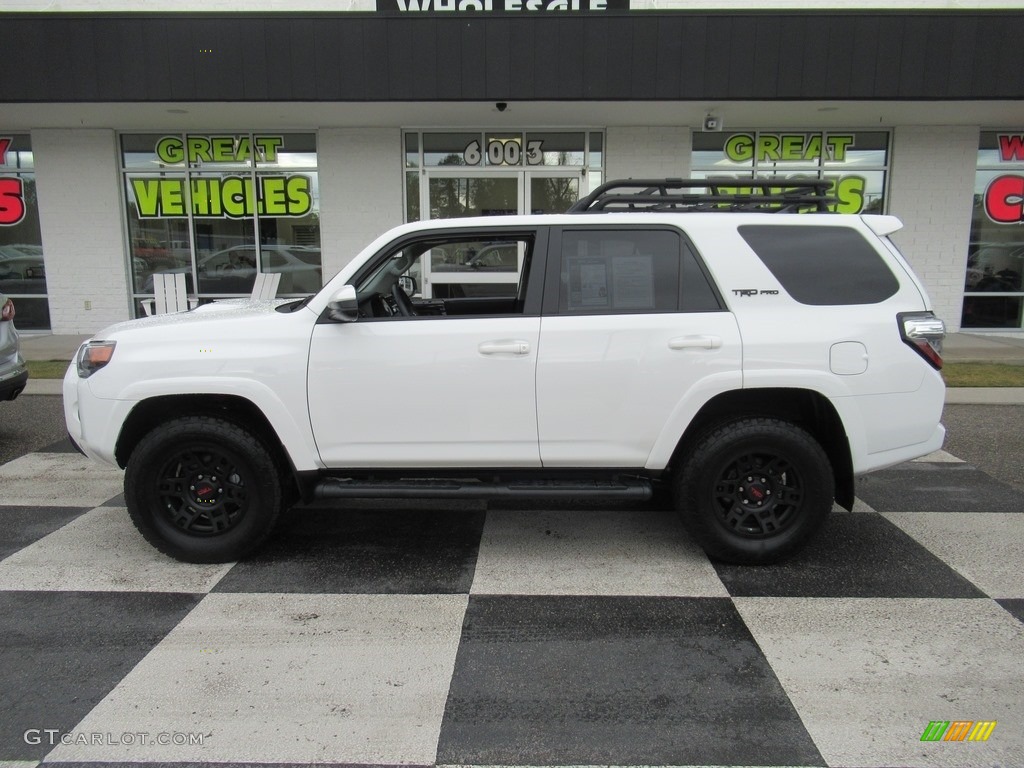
x=223 y=139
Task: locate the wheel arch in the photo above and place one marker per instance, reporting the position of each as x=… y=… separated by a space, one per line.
x=150 y=413
x=805 y=408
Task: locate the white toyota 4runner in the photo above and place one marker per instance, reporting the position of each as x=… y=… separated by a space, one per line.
x=664 y=333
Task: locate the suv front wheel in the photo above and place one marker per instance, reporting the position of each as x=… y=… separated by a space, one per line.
x=203 y=490
x=754 y=490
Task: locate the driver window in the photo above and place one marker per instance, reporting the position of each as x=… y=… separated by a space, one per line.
x=449 y=276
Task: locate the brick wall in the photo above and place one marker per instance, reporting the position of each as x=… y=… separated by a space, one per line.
x=81 y=221
x=932 y=192
x=360 y=190
x=647 y=153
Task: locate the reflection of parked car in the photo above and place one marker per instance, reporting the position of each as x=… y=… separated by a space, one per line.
x=233 y=270
x=13 y=373
x=995 y=268
x=21 y=249
x=496 y=257
x=22 y=270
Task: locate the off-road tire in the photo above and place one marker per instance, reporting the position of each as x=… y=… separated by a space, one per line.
x=754 y=490
x=203 y=489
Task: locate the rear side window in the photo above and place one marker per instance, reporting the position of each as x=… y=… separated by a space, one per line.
x=630 y=271
x=823 y=266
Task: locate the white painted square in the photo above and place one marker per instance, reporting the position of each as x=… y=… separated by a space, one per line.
x=940 y=457
x=591 y=552
x=858 y=506
x=101 y=551
x=868 y=675
x=986 y=548
x=289 y=679
x=58 y=480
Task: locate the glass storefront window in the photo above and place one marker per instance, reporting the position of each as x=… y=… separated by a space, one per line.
x=596 y=157
x=473 y=196
x=16 y=154
x=412 y=150
x=22 y=263
x=222 y=208
x=505 y=149
x=562 y=149
x=856 y=162
x=452 y=149
x=553 y=194
x=492 y=173
x=993 y=284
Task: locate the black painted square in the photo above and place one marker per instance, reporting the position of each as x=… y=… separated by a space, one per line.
x=615 y=681
x=26 y=525
x=853 y=555
x=62 y=652
x=61 y=446
x=368 y=551
x=921 y=486
x=1015 y=606
x=117 y=501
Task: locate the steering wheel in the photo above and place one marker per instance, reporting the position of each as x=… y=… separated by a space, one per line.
x=402 y=301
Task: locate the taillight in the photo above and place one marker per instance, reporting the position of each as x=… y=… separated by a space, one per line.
x=94 y=355
x=7 y=313
x=923 y=332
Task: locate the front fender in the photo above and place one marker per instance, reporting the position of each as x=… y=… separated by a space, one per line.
x=291 y=425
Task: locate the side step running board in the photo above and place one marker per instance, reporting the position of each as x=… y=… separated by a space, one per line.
x=440 y=488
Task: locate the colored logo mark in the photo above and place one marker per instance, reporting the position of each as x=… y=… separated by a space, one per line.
x=958 y=730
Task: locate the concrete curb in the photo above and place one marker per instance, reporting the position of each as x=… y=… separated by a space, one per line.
x=985 y=396
x=43 y=387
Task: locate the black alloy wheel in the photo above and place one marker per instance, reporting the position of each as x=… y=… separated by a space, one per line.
x=754 y=490
x=758 y=494
x=203 y=489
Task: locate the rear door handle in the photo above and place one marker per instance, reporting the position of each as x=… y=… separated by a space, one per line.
x=695 y=342
x=505 y=347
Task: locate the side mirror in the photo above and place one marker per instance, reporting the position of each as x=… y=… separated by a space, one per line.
x=344 y=306
x=408 y=284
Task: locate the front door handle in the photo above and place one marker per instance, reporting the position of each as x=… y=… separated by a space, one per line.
x=695 y=342
x=505 y=347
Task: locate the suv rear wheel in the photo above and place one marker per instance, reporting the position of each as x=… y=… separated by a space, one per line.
x=203 y=490
x=755 y=490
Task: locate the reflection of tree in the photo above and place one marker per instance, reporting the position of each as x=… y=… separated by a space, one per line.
x=873 y=206
x=450 y=198
x=28 y=188
x=554 y=195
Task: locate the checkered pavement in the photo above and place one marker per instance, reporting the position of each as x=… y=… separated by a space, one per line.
x=465 y=633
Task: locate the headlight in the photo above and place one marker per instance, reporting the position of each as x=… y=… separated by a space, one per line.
x=94 y=355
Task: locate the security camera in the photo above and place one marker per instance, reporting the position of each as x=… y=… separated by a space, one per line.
x=712 y=123
x=501 y=106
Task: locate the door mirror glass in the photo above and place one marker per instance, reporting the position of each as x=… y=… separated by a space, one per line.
x=344 y=306
x=408 y=284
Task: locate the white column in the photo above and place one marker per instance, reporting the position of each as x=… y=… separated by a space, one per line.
x=361 y=182
x=655 y=153
x=80 y=214
x=932 y=192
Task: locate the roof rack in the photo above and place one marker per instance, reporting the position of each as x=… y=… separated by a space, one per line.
x=716 y=194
